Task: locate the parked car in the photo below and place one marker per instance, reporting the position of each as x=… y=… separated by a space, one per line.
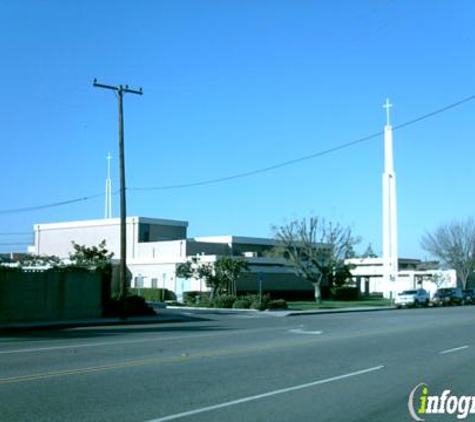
x=469 y=296
x=448 y=296
x=412 y=298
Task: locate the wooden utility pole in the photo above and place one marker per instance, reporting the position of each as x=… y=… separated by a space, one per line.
x=121 y=90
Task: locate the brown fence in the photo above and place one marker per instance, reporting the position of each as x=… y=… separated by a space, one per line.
x=50 y=295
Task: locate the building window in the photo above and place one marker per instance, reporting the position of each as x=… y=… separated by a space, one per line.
x=144 y=232
x=154 y=283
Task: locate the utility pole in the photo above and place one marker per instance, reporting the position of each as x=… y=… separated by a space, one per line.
x=121 y=90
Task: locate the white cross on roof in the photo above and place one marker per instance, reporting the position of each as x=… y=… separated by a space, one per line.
x=387 y=106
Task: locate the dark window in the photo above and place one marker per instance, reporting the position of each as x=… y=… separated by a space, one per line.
x=144 y=232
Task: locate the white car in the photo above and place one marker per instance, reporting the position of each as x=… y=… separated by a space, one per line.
x=412 y=298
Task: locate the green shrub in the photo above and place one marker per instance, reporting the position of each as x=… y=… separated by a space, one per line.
x=224 y=301
x=196 y=298
x=131 y=306
x=175 y=303
x=154 y=294
x=203 y=301
x=136 y=306
x=345 y=293
x=277 y=304
x=190 y=298
x=260 y=306
x=242 y=303
x=260 y=303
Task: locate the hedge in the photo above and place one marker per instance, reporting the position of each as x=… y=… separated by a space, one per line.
x=345 y=293
x=153 y=294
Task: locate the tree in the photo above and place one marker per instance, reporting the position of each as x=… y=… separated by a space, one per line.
x=93 y=256
x=316 y=249
x=195 y=269
x=227 y=270
x=453 y=244
x=219 y=277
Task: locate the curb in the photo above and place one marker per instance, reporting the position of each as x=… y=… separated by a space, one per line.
x=196 y=308
x=282 y=313
x=342 y=311
x=103 y=322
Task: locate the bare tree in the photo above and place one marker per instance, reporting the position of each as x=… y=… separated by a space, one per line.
x=454 y=245
x=316 y=249
x=438 y=279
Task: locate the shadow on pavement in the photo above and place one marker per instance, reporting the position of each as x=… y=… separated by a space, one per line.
x=183 y=323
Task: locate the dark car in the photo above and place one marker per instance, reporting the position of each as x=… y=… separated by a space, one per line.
x=469 y=296
x=448 y=296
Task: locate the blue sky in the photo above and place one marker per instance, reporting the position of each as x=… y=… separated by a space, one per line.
x=231 y=87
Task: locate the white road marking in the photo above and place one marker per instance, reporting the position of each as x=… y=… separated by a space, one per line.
x=143 y=340
x=302 y=331
x=265 y=395
x=444 y=352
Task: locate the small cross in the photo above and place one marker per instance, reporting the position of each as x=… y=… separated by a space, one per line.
x=108 y=158
x=387 y=106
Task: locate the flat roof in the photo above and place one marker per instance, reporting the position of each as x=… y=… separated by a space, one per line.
x=243 y=240
x=237 y=240
x=380 y=261
x=109 y=222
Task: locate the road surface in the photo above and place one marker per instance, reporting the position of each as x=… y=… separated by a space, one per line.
x=240 y=367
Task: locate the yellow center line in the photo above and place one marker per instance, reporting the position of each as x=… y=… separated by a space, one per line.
x=161 y=360
x=284 y=344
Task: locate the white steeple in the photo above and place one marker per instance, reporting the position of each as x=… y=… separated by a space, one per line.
x=390 y=253
x=108 y=205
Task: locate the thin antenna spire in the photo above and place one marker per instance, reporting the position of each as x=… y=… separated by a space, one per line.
x=108 y=207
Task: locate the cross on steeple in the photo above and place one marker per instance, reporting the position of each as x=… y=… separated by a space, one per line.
x=108 y=158
x=387 y=106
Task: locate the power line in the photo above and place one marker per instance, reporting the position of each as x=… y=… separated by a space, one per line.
x=307 y=157
x=15 y=233
x=52 y=205
x=16 y=244
x=264 y=169
x=257 y=171
x=434 y=113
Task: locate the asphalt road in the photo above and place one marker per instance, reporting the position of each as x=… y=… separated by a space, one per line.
x=240 y=367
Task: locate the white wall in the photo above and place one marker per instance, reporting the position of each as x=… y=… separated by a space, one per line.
x=153 y=275
x=163 y=276
x=169 y=250
x=56 y=239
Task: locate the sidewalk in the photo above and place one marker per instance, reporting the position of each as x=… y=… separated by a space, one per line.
x=286 y=312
